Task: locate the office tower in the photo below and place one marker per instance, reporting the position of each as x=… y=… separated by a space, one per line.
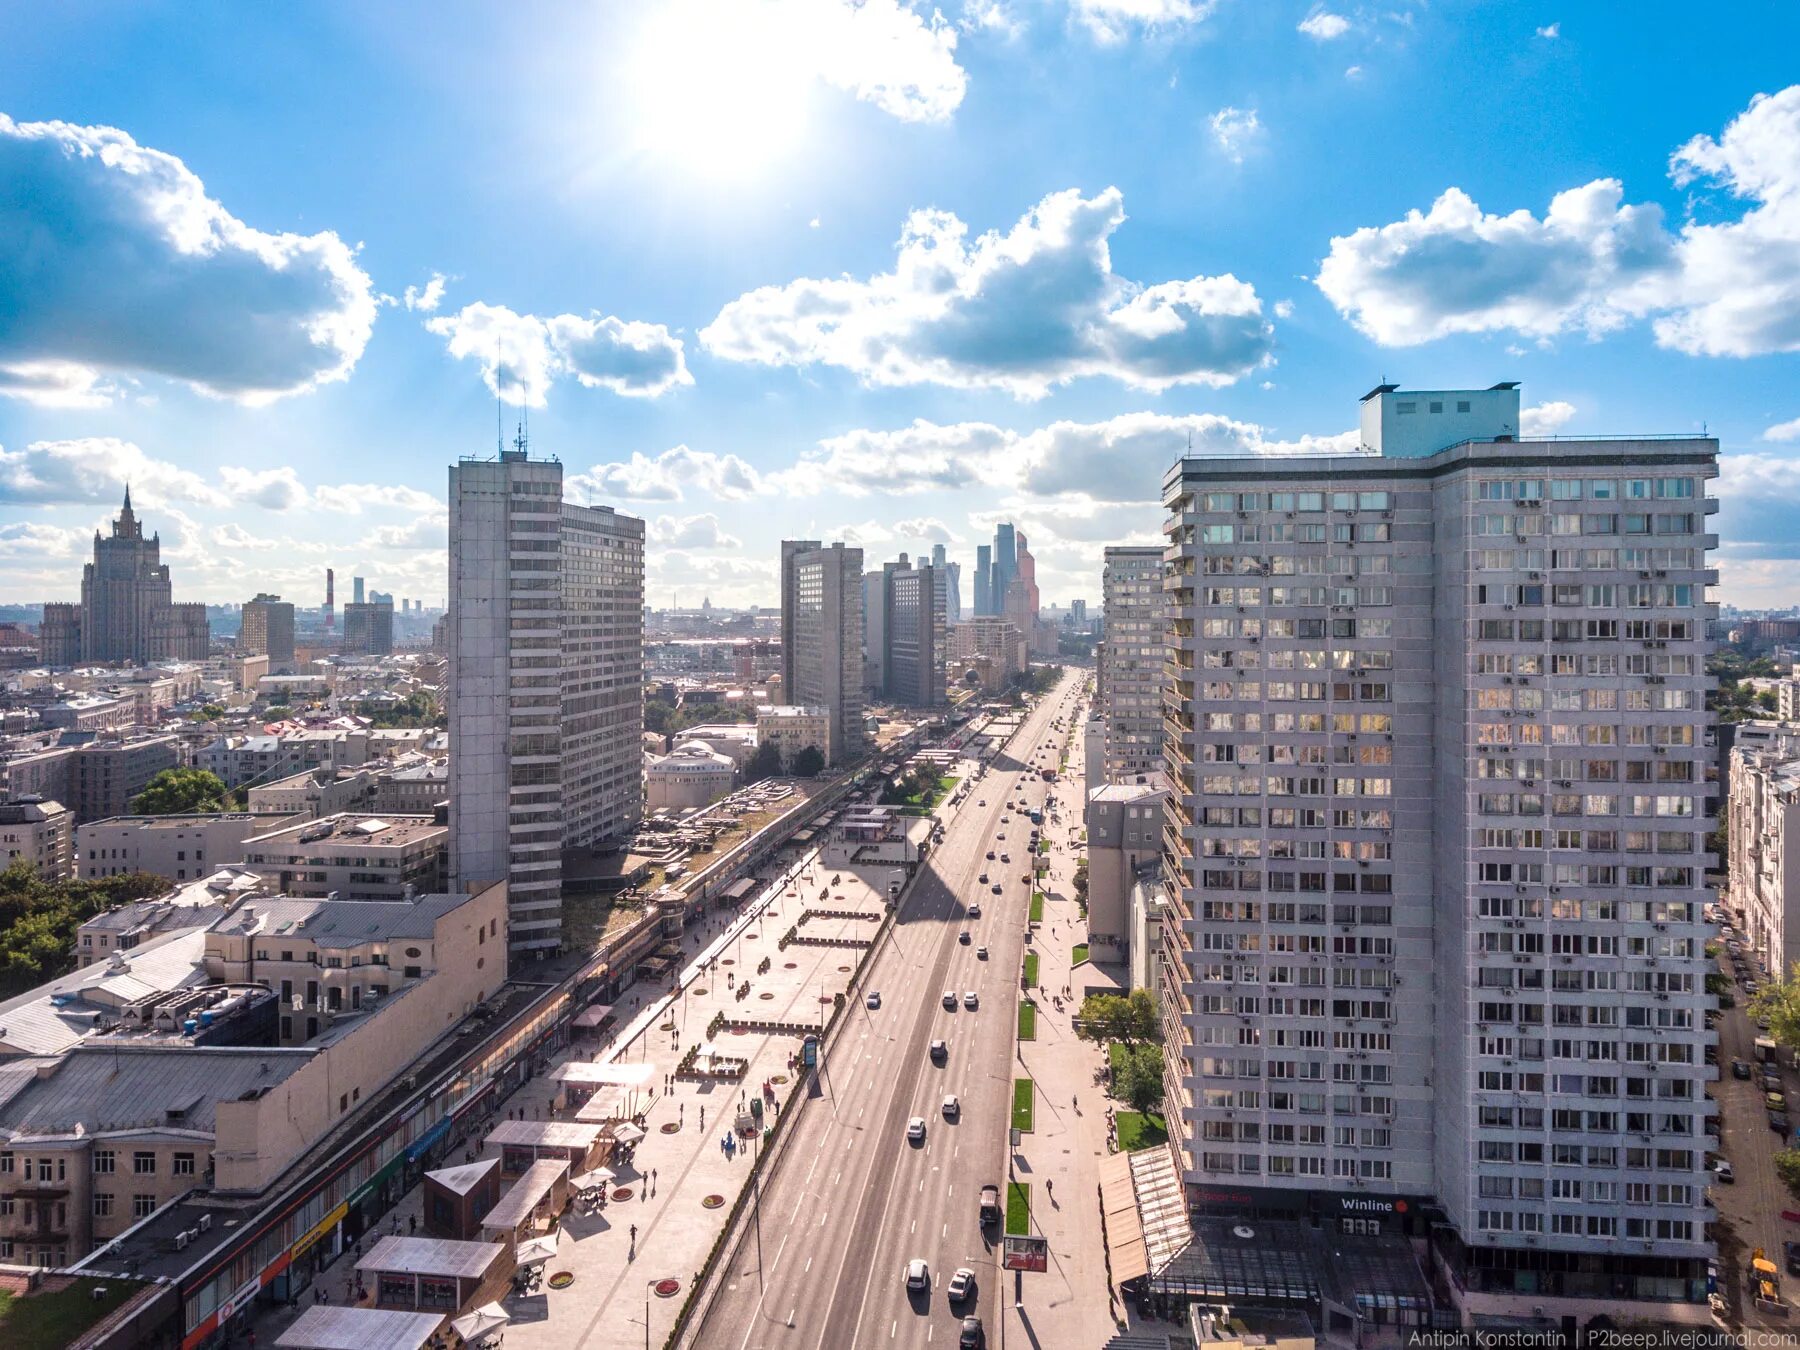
x=1019 y=600
x=267 y=629
x=1000 y=575
x=821 y=637
x=983 y=602
x=1438 y=841
x=330 y=597
x=952 y=583
x=1078 y=617
x=356 y=591
x=369 y=627
x=1131 y=662
x=912 y=626
x=874 y=630
x=126 y=612
x=546 y=704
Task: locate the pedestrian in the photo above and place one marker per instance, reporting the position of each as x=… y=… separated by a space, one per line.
x=653 y=1178
x=703 y=1116
x=412 y=1224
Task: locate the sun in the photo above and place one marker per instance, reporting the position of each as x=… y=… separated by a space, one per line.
x=718 y=88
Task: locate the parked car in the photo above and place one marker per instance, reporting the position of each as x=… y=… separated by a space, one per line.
x=1775 y=1101
x=1722 y=1170
x=1778 y=1122
x=1740 y=1069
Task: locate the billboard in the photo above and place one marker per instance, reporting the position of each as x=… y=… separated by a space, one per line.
x=1026 y=1253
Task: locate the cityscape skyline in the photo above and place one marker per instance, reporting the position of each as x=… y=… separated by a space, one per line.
x=656 y=382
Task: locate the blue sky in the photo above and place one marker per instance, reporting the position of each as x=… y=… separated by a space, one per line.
x=812 y=267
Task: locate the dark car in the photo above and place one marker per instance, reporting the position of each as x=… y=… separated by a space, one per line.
x=975 y=910
x=1778 y=1122
x=990 y=855
x=1792 y=1251
x=996 y=888
x=972 y=1337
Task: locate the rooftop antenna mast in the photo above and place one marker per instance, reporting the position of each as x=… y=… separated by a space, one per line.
x=499 y=423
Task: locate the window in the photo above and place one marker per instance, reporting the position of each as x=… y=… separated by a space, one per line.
x=104 y=1161
x=184 y=1165
x=103 y=1204
x=143 y=1164
x=143 y=1206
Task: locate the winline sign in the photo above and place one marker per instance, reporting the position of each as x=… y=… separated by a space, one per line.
x=1026 y=1253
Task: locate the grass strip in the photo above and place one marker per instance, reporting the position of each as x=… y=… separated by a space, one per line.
x=1024 y=1110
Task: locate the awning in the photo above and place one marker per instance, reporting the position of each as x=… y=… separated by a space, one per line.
x=332 y=1327
x=628 y=1134
x=598 y=1177
x=593 y=1015
x=538 y=1249
x=1119 y=1220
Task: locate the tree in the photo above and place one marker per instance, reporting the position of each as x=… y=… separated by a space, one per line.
x=765 y=762
x=1138 y=1077
x=1787 y=1167
x=1130 y=1020
x=1779 y=1003
x=178 y=791
x=1081 y=884
x=809 y=763
x=38 y=919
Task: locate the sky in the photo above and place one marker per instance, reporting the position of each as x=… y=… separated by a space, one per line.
x=857 y=269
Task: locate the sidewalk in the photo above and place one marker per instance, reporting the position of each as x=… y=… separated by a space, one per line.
x=682 y=1183
x=1070 y=1306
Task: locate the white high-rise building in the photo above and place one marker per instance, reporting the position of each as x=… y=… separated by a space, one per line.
x=1436 y=846
x=822 y=637
x=1131 y=662
x=546 y=700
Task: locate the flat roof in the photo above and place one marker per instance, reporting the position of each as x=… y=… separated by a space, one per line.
x=543 y=1134
x=339 y=923
x=335 y=1327
x=362 y=831
x=527 y=1193
x=432 y=1256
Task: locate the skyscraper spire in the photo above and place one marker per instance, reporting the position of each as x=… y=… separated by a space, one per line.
x=128 y=494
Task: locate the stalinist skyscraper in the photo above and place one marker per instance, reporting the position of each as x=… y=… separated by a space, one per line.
x=126 y=612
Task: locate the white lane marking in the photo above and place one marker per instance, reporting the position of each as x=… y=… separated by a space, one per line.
x=808 y=1266
x=892 y=1329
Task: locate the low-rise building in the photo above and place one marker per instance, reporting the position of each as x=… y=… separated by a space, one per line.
x=791 y=729
x=413 y=789
x=352 y=856
x=241 y=760
x=91 y=712
x=129 y=1087
x=692 y=775
x=317 y=792
x=93 y=778
x=1124 y=842
x=181 y=847
x=1763 y=848
x=40 y=832
x=194 y=905
x=738 y=740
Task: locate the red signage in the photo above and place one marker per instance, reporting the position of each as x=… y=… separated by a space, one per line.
x=1026 y=1253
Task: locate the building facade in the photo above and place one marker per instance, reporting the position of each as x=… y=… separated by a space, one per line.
x=1764 y=840
x=691 y=775
x=912 y=625
x=267 y=629
x=546 y=697
x=821 y=638
x=40 y=832
x=127 y=613
x=1436 y=844
x=181 y=848
x=351 y=857
x=793 y=729
x=369 y=628
x=1131 y=662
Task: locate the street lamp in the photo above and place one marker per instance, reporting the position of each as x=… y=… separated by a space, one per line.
x=648 y=1286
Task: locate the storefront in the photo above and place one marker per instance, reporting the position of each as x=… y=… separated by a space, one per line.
x=1354 y=1215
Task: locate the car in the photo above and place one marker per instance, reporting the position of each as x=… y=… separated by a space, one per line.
x=996 y=888
x=981 y=954
x=1006 y=857
x=1771 y=1081
x=963 y=937
x=918 y=1275
x=950 y=999
x=975 y=910
x=874 y=999
x=1025 y=877
x=962 y=1284
x=1722 y=1170
x=952 y=1107
x=984 y=878
x=990 y=854
x=1778 y=1122
x=971 y=1000
x=1775 y=1101
x=1791 y=1250
x=972 y=1337
x=915 y=1130
x=940 y=1051
x=982 y=802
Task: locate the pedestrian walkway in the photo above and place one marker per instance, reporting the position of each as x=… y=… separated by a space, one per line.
x=1070 y=1306
x=637 y=1256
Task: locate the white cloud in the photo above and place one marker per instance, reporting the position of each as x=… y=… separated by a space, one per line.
x=274 y=489
x=667 y=477
x=882 y=51
x=1111 y=21
x=1284 y=309
x=118 y=262
x=429 y=531
x=29 y=539
x=428 y=297
x=1546 y=419
x=1592 y=263
x=521 y=355
x=687 y=532
x=1550 y=31
x=929 y=528
x=1783 y=431
x=1235 y=130
x=1353 y=72
x=725 y=579
x=1322 y=25
x=1022 y=311
x=97 y=469
x=923 y=457
x=56 y=384
x=233 y=535
x=353 y=498
x=991 y=16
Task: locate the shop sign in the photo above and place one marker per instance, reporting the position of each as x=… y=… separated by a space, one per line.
x=319 y=1230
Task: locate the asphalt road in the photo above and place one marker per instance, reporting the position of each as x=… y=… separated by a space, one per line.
x=853 y=1201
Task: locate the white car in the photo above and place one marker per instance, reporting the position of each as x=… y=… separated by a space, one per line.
x=915 y=1130
x=961 y=1285
x=952 y=1107
x=971 y=1000
x=918 y=1275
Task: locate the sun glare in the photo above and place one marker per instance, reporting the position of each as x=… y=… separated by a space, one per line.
x=720 y=90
